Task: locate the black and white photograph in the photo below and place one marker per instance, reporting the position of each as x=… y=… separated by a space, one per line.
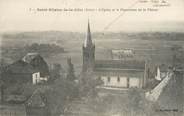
x=91 y=57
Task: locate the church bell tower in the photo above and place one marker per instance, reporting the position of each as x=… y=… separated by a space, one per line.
x=88 y=52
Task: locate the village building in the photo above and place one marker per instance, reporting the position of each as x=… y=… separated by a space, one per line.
x=115 y=73
x=38 y=63
x=120 y=54
x=18 y=72
x=37 y=79
x=31 y=69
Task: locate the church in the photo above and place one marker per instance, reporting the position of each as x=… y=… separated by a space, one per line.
x=115 y=74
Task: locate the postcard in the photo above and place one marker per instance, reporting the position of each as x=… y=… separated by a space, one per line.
x=91 y=58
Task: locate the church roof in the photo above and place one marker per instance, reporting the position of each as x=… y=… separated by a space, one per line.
x=119 y=65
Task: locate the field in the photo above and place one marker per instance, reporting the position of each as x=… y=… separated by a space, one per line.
x=154 y=45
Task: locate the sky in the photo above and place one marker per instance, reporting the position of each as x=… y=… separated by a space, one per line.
x=22 y=15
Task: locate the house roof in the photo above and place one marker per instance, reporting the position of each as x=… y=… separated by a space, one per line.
x=35 y=100
x=29 y=64
x=20 y=67
x=119 y=64
x=29 y=57
x=37 y=62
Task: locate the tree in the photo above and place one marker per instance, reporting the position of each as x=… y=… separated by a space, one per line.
x=56 y=72
x=177 y=56
x=70 y=70
x=60 y=94
x=1 y=91
x=3 y=64
x=137 y=103
x=88 y=84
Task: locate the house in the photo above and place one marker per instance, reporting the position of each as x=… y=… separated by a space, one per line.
x=114 y=73
x=118 y=54
x=36 y=105
x=26 y=70
x=38 y=63
x=18 y=72
x=38 y=79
